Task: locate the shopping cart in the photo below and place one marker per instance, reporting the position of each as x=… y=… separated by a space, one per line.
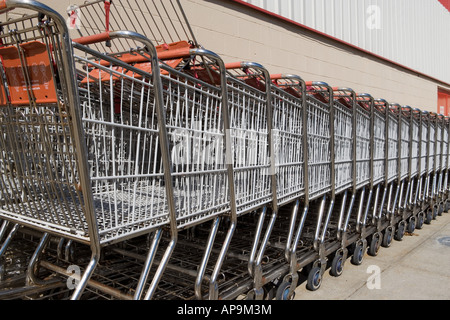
x=400 y=214
x=421 y=194
x=197 y=122
x=446 y=162
x=288 y=154
x=48 y=189
x=353 y=226
x=119 y=190
x=431 y=177
x=411 y=211
x=310 y=241
x=350 y=147
x=385 y=171
x=249 y=103
x=441 y=148
x=253 y=185
x=163 y=22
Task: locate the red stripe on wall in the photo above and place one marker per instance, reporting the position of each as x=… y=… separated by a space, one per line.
x=277 y=16
x=445 y=3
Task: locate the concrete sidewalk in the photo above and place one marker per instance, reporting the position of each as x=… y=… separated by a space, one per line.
x=416 y=268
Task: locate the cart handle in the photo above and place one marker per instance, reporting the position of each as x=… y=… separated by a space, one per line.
x=280 y=76
x=245 y=64
x=344 y=89
x=184 y=52
x=383 y=101
x=253 y=65
x=96 y=38
x=364 y=97
x=234 y=65
x=407 y=109
x=340 y=92
x=317 y=84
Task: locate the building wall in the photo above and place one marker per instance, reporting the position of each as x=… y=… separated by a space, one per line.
x=413 y=33
x=239 y=33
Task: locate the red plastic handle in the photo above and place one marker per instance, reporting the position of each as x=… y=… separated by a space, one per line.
x=96 y=38
x=233 y=65
x=276 y=76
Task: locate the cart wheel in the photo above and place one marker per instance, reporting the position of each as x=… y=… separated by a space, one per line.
x=387 y=238
x=374 y=247
x=400 y=232
x=429 y=216
x=420 y=220
x=283 y=291
x=269 y=293
x=411 y=225
x=307 y=269
x=440 y=209
x=2 y=271
x=435 y=212
x=337 y=265
x=447 y=206
x=314 y=279
x=358 y=255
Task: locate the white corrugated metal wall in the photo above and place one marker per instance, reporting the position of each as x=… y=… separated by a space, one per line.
x=413 y=33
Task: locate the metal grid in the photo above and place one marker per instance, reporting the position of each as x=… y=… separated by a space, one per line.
x=415 y=144
x=249 y=138
x=424 y=145
x=393 y=152
x=123 y=149
x=431 y=145
x=343 y=146
x=404 y=147
x=193 y=111
x=319 y=146
x=445 y=149
x=163 y=22
x=39 y=142
x=439 y=132
x=379 y=145
x=287 y=137
x=363 y=145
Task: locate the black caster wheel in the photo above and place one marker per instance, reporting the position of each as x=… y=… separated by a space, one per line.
x=283 y=291
x=387 y=238
x=374 y=247
x=337 y=265
x=314 y=279
x=435 y=212
x=429 y=216
x=420 y=220
x=400 y=232
x=358 y=255
x=411 y=226
x=269 y=292
x=440 y=209
x=2 y=271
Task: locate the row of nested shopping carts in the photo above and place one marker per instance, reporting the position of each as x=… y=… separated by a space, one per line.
x=164 y=173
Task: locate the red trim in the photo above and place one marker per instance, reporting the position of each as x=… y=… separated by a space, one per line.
x=445 y=91
x=277 y=16
x=445 y=3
